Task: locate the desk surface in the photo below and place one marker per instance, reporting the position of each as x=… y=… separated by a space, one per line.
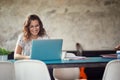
x=88 y=62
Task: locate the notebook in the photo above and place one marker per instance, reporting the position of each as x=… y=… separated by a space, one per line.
x=109 y=55
x=48 y=49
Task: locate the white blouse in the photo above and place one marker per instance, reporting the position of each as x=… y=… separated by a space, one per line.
x=26 y=46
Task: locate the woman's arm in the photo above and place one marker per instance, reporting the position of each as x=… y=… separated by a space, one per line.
x=18 y=55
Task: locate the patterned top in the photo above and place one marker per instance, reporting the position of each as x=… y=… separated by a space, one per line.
x=26 y=46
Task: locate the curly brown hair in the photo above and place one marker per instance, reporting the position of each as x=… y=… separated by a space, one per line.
x=26 y=29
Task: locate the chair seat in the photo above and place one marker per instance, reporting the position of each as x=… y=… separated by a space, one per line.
x=31 y=70
x=112 y=71
x=67 y=73
x=7 y=70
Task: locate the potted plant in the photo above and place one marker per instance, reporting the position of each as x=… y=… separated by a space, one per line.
x=4 y=54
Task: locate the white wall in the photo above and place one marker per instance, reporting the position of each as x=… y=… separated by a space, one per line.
x=95 y=24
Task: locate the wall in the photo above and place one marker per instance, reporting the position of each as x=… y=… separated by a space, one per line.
x=95 y=24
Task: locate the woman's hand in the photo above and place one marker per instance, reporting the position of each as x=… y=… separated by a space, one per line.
x=19 y=56
x=117 y=47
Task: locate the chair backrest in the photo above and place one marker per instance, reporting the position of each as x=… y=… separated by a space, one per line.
x=31 y=70
x=66 y=73
x=7 y=71
x=112 y=71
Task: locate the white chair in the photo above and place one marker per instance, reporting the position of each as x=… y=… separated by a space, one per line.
x=112 y=70
x=66 y=73
x=7 y=71
x=31 y=70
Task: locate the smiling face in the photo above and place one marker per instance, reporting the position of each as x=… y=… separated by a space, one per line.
x=34 y=28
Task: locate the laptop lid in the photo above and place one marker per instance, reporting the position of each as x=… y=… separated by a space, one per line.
x=48 y=49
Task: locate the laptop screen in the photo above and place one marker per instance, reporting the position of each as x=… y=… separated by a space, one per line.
x=48 y=49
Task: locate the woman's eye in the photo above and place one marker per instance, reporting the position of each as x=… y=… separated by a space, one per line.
x=31 y=26
x=37 y=26
x=34 y=26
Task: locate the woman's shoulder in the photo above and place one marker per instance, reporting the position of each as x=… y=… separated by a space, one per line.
x=20 y=37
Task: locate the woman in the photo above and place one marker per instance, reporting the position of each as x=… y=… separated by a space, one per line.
x=33 y=29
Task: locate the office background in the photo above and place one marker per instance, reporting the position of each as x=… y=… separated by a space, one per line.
x=95 y=24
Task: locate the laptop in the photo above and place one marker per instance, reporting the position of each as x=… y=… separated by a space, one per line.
x=47 y=49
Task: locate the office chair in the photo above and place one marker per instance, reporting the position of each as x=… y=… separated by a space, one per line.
x=31 y=70
x=112 y=71
x=7 y=70
x=66 y=73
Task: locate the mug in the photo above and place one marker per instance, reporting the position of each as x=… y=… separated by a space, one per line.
x=118 y=54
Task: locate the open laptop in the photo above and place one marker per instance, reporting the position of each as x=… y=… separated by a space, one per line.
x=47 y=49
